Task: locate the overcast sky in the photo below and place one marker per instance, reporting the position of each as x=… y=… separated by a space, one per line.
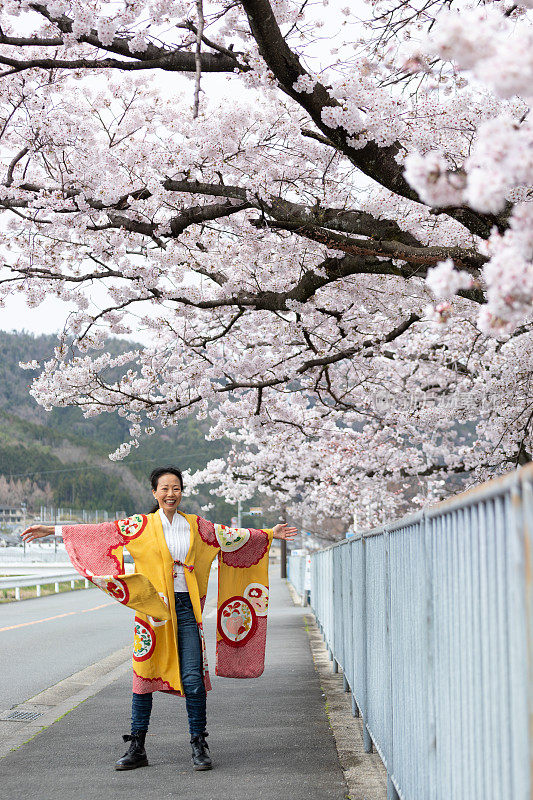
x=46 y=318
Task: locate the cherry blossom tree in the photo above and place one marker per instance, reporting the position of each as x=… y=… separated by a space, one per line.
x=325 y=226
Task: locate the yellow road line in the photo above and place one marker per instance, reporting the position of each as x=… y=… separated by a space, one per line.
x=57 y=616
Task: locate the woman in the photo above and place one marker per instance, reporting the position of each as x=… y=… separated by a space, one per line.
x=173 y=553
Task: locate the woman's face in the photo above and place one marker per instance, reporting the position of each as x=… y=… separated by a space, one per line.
x=168 y=492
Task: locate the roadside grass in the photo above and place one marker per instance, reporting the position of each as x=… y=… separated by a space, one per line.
x=28 y=592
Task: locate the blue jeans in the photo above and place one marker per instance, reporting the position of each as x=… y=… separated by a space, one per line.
x=190 y=655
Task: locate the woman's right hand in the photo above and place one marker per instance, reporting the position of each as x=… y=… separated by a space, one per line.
x=37 y=532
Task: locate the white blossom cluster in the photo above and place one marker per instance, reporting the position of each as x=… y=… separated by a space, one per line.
x=498 y=168
x=445 y=281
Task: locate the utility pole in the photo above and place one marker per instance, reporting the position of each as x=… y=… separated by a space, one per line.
x=283 y=571
x=283 y=564
x=23 y=508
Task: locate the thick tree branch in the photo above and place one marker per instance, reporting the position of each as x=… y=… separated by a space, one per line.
x=191 y=216
x=470 y=261
x=166 y=58
x=385 y=239
x=31 y=41
x=13 y=164
x=173 y=62
x=379 y=163
x=286 y=214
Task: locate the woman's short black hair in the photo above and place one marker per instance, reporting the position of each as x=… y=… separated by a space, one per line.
x=157 y=473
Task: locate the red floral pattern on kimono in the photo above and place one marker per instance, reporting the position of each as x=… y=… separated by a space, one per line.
x=246 y=661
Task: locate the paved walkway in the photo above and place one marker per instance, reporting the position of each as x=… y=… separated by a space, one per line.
x=269 y=738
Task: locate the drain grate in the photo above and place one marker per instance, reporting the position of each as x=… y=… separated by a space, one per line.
x=21 y=716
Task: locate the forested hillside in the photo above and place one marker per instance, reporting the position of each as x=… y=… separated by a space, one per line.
x=60 y=458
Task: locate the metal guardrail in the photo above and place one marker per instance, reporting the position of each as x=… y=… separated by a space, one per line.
x=31 y=568
x=431 y=620
x=18 y=582
x=33 y=555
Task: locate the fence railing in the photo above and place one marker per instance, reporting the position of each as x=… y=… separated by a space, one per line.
x=33 y=555
x=431 y=620
x=18 y=582
x=297 y=573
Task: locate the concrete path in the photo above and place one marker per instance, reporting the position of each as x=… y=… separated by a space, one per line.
x=269 y=738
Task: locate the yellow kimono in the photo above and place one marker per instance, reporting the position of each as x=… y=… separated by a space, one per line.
x=96 y=551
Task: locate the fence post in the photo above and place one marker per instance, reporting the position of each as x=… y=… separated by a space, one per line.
x=38 y=590
x=57 y=587
x=521 y=592
x=392 y=794
x=430 y=651
x=367 y=740
x=355 y=707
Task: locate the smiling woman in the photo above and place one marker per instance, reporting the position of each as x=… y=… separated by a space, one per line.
x=173 y=552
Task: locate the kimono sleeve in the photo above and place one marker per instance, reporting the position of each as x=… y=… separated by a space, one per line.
x=96 y=551
x=242 y=600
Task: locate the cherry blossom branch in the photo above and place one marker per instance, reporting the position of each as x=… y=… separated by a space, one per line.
x=378 y=162
x=283 y=211
x=429 y=256
x=165 y=58
x=14 y=161
x=271 y=478
x=297 y=219
x=312 y=363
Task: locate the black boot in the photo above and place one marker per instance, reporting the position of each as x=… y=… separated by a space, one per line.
x=200 y=752
x=136 y=755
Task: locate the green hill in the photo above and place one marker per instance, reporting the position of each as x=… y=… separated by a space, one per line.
x=60 y=458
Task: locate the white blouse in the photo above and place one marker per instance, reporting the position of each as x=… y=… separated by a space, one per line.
x=178 y=536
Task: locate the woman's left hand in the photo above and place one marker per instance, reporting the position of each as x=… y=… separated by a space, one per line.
x=283 y=531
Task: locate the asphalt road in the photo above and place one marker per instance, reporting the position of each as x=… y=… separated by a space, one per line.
x=269 y=737
x=44 y=640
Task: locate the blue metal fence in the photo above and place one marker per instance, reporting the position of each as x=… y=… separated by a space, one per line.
x=431 y=620
x=296 y=572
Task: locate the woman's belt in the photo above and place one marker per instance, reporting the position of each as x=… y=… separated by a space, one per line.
x=178 y=563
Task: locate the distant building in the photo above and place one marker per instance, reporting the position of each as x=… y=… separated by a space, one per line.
x=11 y=515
